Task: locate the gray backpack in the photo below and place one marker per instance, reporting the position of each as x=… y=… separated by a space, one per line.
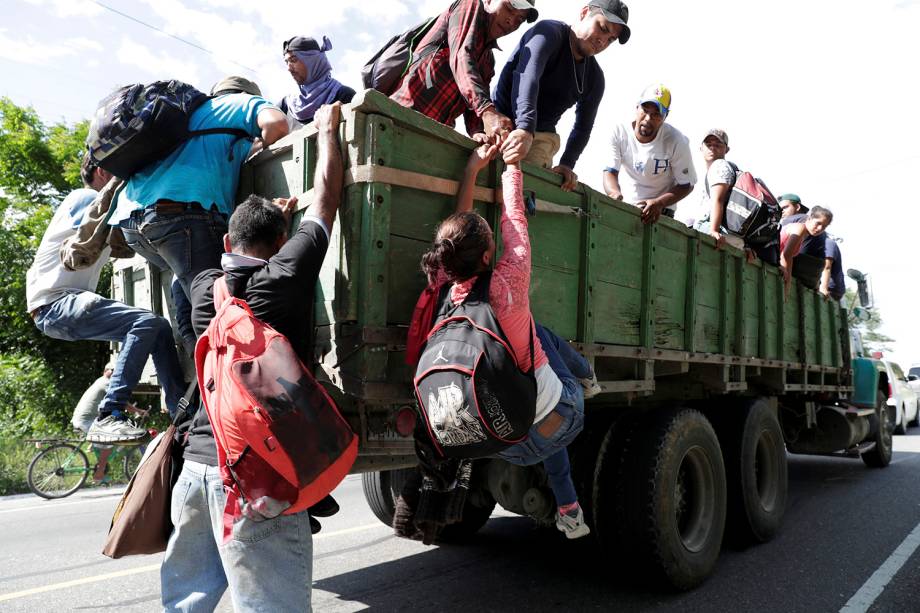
x=386 y=69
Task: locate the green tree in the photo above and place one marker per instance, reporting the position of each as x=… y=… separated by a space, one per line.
x=39 y=166
x=873 y=339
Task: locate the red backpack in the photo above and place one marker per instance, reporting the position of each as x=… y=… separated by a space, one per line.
x=282 y=444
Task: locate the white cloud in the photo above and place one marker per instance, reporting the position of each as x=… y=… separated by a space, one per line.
x=156 y=65
x=28 y=50
x=69 y=8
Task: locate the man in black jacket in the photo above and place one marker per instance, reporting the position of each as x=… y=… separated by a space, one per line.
x=266 y=563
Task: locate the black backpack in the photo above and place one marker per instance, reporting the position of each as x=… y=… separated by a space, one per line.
x=138 y=124
x=752 y=211
x=386 y=69
x=474 y=401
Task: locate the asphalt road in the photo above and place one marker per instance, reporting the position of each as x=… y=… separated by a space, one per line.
x=847 y=533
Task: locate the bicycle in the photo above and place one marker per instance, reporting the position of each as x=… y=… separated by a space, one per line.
x=61 y=467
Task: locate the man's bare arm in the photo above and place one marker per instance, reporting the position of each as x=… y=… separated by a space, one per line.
x=327 y=182
x=273 y=124
x=612 y=185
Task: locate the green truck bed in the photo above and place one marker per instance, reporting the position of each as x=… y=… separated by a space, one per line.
x=651 y=303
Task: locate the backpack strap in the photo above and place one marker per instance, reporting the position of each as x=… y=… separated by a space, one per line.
x=221 y=293
x=238 y=133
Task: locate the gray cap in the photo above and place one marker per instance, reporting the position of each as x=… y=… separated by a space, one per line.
x=615 y=12
x=722 y=135
x=527 y=5
x=234 y=85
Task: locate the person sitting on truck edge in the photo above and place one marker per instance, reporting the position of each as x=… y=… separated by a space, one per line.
x=793 y=235
x=791 y=204
x=64 y=305
x=267 y=563
x=553 y=69
x=720 y=178
x=832 y=283
x=652 y=167
x=463 y=249
x=174 y=211
x=310 y=68
x=454 y=80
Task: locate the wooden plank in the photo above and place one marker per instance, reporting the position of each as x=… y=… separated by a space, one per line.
x=693 y=249
x=647 y=316
x=588 y=264
x=740 y=311
x=762 y=313
x=724 y=290
x=375 y=247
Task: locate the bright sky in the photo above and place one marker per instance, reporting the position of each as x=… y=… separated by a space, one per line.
x=817 y=96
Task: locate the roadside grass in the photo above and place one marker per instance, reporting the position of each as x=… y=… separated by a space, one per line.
x=15 y=455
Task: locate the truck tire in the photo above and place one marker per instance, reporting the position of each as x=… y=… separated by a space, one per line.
x=755 y=470
x=381 y=489
x=883 y=424
x=670 y=480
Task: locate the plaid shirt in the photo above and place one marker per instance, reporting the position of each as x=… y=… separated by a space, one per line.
x=454 y=80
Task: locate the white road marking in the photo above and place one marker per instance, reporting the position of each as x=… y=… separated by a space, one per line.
x=65 y=584
x=152 y=567
x=56 y=505
x=875 y=585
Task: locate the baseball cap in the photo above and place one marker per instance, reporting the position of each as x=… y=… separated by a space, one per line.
x=615 y=12
x=791 y=198
x=660 y=95
x=722 y=135
x=527 y=5
x=234 y=84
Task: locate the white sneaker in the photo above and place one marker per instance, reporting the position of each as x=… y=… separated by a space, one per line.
x=590 y=386
x=573 y=523
x=112 y=430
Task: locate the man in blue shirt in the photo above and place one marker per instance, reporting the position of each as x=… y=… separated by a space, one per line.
x=552 y=69
x=174 y=212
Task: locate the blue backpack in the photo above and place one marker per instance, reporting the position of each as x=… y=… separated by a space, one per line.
x=140 y=124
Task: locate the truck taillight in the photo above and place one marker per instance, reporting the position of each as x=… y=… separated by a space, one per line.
x=890 y=391
x=405 y=421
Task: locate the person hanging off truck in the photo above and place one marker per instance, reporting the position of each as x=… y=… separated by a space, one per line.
x=651 y=166
x=553 y=69
x=463 y=297
x=455 y=64
x=806 y=234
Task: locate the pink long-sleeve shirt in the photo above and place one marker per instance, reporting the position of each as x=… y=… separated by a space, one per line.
x=509 y=291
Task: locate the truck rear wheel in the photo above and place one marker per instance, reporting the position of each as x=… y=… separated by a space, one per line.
x=755 y=469
x=883 y=426
x=670 y=481
x=381 y=489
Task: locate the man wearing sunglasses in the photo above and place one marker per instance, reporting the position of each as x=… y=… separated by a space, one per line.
x=552 y=70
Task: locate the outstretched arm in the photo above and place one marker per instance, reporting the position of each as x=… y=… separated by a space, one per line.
x=479 y=159
x=327 y=181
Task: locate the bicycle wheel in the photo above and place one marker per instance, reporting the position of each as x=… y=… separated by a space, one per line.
x=131 y=461
x=58 y=471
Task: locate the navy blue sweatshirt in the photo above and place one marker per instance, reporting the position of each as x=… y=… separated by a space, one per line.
x=538 y=85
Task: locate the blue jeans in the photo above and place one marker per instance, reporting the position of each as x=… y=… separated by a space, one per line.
x=567 y=364
x=87 y=316
x=185 y=243
x=268 y=565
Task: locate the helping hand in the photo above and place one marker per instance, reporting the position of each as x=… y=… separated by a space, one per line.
x=516 y=146
x=569 y=178
x=328 y=116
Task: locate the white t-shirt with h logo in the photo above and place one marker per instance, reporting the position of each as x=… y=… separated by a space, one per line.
x=647 y=170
